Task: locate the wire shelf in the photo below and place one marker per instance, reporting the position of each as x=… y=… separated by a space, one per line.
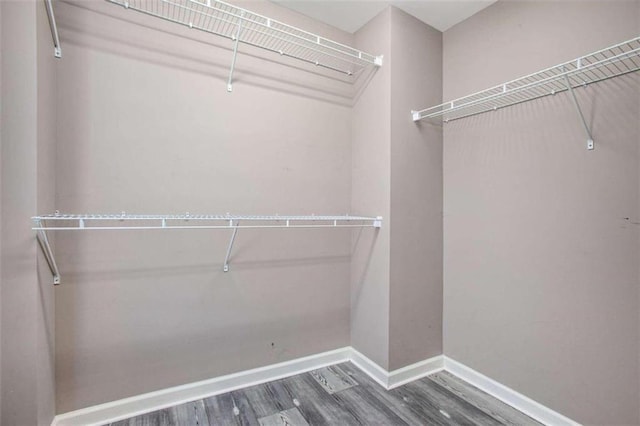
x=620 y=59
x=232 y=22
x=59 y=221
x=123 y=221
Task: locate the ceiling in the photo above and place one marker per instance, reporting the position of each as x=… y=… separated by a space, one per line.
x=351 y=15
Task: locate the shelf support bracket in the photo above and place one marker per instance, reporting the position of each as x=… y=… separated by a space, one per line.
x=590 y=144
x=43 y=241
x=235 y=54
x=57 y=50
x=225 y=268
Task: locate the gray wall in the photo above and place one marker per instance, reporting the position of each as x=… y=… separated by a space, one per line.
x=46 y=193
x=28 y=130
x=396 y=299
x=541 y=236
x=146 y=126
x=415 y=326
x=1 y=199
x=371 y=186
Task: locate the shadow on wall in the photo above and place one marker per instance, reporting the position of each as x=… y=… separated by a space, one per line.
x=184 y=270
x=197 y=352
x=135 y=36
x=534 y=113
x=170 y=316
x=366 y=245
x=46 y=340
x=115 y=255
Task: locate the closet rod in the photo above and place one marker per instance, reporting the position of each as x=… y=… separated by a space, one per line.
x=223 y=19
x=620 y=59
x=123 y=222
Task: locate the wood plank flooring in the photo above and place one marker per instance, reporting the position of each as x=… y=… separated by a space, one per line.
x=341 y=395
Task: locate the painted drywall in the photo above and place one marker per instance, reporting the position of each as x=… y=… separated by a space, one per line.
x=1 y=258
x=396 y=299
x=370 y=191
x=45 y=198
x=28 y=127
x=415 y=299
x=145 y=125
x=540 y=235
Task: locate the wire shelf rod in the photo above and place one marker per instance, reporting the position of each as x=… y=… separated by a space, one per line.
x=113 y=222
x=141 y=228
x=190 y=217
x=280 y=51
x=470 y=113
x=223 y=19
x=533 y=85
x=613 y=61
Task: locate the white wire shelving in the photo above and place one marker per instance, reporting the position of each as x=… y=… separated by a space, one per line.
x=242 y=25
x=613 y=61
x=127 y=222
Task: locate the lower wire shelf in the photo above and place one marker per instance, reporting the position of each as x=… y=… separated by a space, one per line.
x=123 y=222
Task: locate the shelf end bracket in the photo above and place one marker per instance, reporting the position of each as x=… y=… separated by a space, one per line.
x=225 y=268
x=57 y=50
x=590 y=144
x=235 y=54
x=43 y=241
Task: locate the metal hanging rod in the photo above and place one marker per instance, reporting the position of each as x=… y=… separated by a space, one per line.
x=242 y=25
x=613 y=61
x=123 y=221
x=57 y=49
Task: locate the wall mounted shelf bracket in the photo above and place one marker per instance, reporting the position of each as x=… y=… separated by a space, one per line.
x=48 y=253
x=235 y=53
x=225 y=268
x=57 y=50
x=590 y=144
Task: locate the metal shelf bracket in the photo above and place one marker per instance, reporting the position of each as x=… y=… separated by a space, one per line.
x=225 y=268
x=590 y=144
x=235 y=53
x=43 y=241
x=57 y=50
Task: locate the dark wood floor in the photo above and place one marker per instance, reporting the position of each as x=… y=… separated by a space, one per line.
x=342 y=395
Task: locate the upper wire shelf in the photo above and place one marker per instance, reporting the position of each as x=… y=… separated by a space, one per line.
x=123 y=221
x=620 y=59
x=235 y=23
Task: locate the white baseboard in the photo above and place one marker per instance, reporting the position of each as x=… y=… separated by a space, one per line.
x=415 y=371
x=145 y=403
x=395 y=378
x=507 y=395
x=373 y=370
